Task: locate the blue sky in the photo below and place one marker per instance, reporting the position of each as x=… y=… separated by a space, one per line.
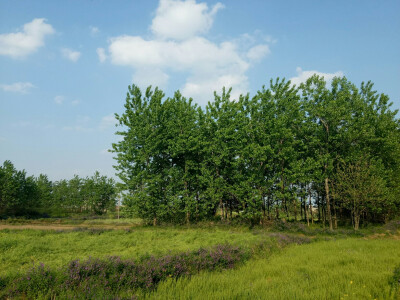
x=65 y=65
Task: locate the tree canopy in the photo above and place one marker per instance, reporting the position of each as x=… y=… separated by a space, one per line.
x=288 y=151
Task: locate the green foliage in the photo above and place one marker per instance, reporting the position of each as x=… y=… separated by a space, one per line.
x=32 y=197
x=277 y=154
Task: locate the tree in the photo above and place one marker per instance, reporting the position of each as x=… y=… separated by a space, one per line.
x=360 y=186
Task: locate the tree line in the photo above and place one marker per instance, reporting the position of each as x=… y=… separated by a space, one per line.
x=314 y=152
x=22 y=195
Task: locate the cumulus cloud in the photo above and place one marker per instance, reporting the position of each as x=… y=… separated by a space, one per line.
x=178 y=45
x=71 y=54
x=302 y=76
x=183 y=19
x=28 y=40
x=17 y=87
x=101 y=53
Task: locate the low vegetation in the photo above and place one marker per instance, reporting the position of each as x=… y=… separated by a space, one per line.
x=284 y=261
x=96 y=278
x=337 y=269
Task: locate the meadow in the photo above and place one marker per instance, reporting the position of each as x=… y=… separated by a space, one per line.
x=278 y=262
x=342 y=269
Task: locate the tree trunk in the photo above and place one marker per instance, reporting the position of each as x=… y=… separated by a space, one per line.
x=334 y=214
x=328 y=204
x=269 y=207
x=356 y=220
x=277 y=208
x=310 y=204
x=301 y=208
x=187 y=217
x=222 y=209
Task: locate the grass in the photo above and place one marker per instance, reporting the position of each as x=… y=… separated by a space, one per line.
x=20 y=249
x=341 y=269
x=339 y=265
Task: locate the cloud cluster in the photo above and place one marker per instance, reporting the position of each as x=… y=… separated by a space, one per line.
x=179 y=45
x=183 y=19
x=17 y=87
x=302 y=76
x=22 y=43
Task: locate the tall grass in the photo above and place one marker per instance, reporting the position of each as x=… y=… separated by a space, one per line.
x=20 y=249
x=341 y=269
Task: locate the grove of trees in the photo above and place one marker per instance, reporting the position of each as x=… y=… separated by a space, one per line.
x=22 y=195
x=313 y=152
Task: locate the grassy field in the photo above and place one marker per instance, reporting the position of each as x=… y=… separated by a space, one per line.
x=341 y=269
x=333 y=266
x=19 y=249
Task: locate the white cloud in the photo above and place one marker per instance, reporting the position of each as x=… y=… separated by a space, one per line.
x=75 y=102
x=94 y=30
x=107 y=122
x=258 y=52
x=209 y=64
x=101 y=53
x=183 y=19
x=302 y=76
x=17 y=87
x=59 y=99
x=27 y=41
x=203 y=88
x=71 y=54
x=177 y=46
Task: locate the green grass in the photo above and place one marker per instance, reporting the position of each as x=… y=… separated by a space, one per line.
x=19 y=249
x=340 y=269
x=347 y=266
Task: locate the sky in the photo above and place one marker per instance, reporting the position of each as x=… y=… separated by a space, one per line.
x=65 y=66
